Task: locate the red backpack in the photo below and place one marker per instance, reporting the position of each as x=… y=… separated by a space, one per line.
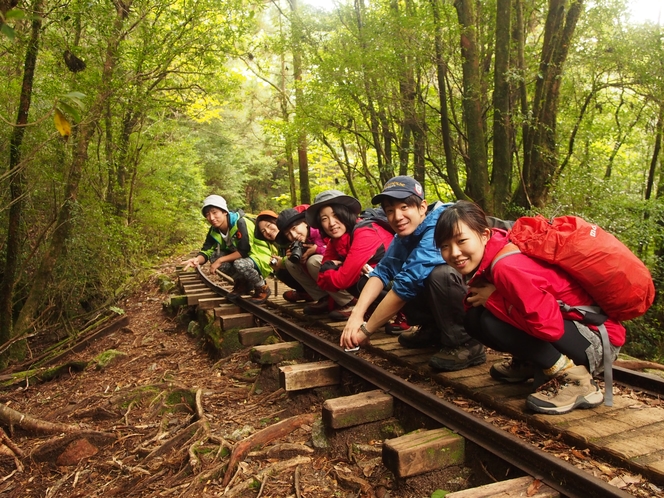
x=617 y=280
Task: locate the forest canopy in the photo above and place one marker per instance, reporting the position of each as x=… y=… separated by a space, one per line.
x=120 y=116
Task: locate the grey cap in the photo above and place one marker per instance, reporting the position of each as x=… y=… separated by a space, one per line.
x=327 y=198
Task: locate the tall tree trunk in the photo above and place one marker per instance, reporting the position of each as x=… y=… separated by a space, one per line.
x=502 y=123
x=441 y=71
x=477 y=186
x=302 y=159
x=655 y=155
x=540 y=151
x=17 y=181
x=86 y=130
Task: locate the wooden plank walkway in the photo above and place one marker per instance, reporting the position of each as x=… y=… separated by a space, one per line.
x=629 y=431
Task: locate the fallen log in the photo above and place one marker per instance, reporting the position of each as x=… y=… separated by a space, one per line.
x=262 y=437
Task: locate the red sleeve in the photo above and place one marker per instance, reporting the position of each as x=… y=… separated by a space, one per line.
x=365 y=244
x=522 y=300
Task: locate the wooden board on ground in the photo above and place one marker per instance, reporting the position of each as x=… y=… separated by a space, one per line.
x=423 y=451
x=308 y=375
x=271 y=354
x=255 y=336
x=240 y=320
x=357 y=409
x=523 y=486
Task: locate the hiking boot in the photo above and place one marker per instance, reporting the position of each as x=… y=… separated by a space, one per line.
x=423 y=337
x=398 y=326
x=293 y=296
x=464 y=356
x=571 y=388
x=239 y=288
x=320 y=307
x=261 y=293
x=341 y=314
x=512 y=370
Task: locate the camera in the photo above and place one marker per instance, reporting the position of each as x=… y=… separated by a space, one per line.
x=296 y=251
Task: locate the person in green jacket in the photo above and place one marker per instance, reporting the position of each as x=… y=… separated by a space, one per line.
x=230 y=246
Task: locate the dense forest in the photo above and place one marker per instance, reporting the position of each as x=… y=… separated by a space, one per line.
x=119 y=116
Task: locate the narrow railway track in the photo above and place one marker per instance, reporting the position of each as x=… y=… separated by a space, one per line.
x=507 y=400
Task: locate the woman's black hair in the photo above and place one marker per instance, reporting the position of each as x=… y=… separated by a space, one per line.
x=344 y=215
x=468 y=212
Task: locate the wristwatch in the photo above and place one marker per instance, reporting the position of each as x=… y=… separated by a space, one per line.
x=363 y=328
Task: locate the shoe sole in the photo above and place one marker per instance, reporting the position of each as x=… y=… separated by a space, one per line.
x=479 y=360
x=588 y=401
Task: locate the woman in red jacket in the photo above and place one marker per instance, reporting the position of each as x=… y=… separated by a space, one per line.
x=354 y=248
x=513 y=306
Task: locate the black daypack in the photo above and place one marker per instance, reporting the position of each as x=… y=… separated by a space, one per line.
x=369 y=217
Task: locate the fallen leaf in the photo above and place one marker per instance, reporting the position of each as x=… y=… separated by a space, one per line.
x=534 y=487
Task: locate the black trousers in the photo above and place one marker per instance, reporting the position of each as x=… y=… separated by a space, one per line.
x=482 y=325
x=439 y=305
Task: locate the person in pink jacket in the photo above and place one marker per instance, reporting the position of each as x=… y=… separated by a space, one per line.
x=304 y=257
x=355 y=246
x=513 y=306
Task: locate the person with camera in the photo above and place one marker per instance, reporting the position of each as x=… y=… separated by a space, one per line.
x=304 y=257
x=230 y=246
x=266 y=230
x=356 y=244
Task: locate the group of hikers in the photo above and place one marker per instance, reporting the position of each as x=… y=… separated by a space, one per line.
x=433 y=274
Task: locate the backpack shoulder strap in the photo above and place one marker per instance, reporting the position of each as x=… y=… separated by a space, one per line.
x=508 y=250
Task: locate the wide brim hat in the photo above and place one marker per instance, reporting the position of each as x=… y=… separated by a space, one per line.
x=400 y=187
x=328 y=198
x=265 y=215
x=214 y=201
x=286 y=219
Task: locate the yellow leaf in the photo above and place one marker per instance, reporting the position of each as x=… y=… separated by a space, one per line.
x=61 y=124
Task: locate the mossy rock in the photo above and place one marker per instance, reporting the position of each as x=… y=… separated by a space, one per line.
x=194 y=328
x=104 y=359
x=165 y=283
x=136 y=396
x=391 y=429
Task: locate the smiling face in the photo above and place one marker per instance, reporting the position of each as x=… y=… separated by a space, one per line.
x=331 y=223
x=465 y=249
x=268 y=229
x=404 y=217
x=218 y=218
x=298 y=231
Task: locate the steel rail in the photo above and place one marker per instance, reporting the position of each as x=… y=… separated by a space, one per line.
x=556 y=473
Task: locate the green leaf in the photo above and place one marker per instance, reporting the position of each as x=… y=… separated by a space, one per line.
x=72 y=111
x=15 y=15
x=7 y=31
x=439 y=493
x=74 y=95
x=119 y=311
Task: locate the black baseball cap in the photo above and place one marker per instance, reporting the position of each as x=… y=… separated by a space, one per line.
x=400 y=187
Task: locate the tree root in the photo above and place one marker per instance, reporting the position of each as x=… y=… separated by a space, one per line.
x=263 y=474
x=12 y=418
x=263 y=437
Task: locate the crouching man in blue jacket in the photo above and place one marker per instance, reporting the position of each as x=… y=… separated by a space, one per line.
x=421 y=285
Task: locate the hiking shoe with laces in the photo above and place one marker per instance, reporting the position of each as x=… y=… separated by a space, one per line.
x=512 y=370
x=423 y=337
x=239 y=288
x=320 y=307
x=341 y=314
x=570 y=389
x=464 y=356
x=261 y=293
x=293 y=296
x=398 y=326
